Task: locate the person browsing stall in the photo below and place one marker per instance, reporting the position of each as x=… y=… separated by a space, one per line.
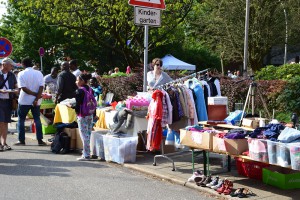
x=97 y=89
x=8 y=81
x=51 y=80
x=157 y=77
x=31 y=84
x=66 y=83
x=85 y=122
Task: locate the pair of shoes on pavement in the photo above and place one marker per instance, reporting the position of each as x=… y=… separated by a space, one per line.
x=22 y=143
x=83 y=158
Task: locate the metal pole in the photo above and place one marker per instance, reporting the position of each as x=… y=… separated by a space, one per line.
x=41 y=63
x=286 y=35
x=145 y=58
x=246 y=37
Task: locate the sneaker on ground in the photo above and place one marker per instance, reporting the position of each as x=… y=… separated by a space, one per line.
x=20 y=143
x=220 y=183
x=82 y=158
x=195 y=174
x=213 y=182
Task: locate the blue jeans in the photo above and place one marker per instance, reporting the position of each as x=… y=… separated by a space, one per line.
x=22 y=113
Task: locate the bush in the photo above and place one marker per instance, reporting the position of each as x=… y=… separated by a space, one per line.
x=284 y=72
x=237 y=93
x=122 y=86
x=289 y=99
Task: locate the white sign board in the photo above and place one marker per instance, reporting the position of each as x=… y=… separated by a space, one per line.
x=147 y=16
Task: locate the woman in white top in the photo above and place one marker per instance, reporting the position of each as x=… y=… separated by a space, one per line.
x=157 y=77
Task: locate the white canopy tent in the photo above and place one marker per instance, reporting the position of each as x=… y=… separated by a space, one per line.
x=172 y=63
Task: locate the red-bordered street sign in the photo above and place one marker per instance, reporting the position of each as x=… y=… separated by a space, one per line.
x=41 y=51
x=5 y=47
x=158 y=4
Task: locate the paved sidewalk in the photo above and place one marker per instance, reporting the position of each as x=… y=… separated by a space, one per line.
x=183 y=170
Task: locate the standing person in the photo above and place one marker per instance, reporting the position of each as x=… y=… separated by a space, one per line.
x=128 y=70
x=51 y=80
x=157 y=77
x=7 y=81
x=116 y=71
x=85 y=122
x=66 y=83
x=97 y=89
x=74 y=67
x=96 y=73
x=31 y=84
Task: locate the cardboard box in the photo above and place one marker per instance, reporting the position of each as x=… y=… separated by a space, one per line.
x=250 y=122
x=79 y=144
x=198 y=140
x=167 y=148
x=253 y=122
x=72 y=134
x=217 y=100
x=283 y=178
x=230 y=146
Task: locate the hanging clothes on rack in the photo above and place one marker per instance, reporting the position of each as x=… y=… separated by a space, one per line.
x=154 y=129
x=214 y=85
x=198 y=94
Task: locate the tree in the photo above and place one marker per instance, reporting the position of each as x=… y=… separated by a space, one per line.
x=221 y=25
x=107 y=24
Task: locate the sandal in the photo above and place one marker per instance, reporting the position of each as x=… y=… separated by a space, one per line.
x=237 y=192
x=6 y=147
x=246 y=192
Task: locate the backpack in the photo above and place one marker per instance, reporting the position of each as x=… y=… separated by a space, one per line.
x=89 y=103
x=61 y=143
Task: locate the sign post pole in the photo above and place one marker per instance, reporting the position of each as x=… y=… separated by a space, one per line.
x=42 y=53
x=145 y=57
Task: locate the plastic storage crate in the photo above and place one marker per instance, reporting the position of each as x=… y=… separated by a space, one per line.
x=295 y=155
x=258 y=149
x=120 y=149
x=249 y=168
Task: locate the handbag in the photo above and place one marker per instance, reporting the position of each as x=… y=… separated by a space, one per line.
x=14 y=104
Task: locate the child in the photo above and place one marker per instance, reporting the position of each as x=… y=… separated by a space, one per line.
x=85 y=121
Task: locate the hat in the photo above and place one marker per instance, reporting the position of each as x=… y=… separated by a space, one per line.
x=8 y=61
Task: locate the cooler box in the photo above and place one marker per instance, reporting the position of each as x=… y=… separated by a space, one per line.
x=120 y=149
x=217 y=100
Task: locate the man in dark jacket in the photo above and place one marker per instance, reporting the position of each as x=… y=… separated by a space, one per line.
x=66 y=84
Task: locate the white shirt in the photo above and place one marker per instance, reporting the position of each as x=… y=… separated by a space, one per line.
x=5 y=95
x=31 y=79
x=77 y=72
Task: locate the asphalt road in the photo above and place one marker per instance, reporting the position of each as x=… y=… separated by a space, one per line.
x=33 y=172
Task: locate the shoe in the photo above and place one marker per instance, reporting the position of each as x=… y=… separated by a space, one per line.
x=228 y=188
x=213 y=182
x=6 y=147
x=220 y=183
x=195 y=174
x=20 y=143
x=221 y=189
x=207 y=181
x=1 y=148
x=203 y=178
x=237 y=192
x=82 y=158
x=42 y=143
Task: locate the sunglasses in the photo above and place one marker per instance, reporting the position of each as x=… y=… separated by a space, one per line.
x=157 y=65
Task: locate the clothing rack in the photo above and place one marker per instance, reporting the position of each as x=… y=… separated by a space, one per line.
x=182 y=79
x=163 y=155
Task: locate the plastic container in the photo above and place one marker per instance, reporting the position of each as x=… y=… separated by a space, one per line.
x=120 y=149
x=283 y=155
x=258 y=149
x=272 y=152
x=251 y=169
x=295 y=155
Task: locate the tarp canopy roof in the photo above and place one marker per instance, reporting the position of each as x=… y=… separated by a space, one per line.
x=172 y=63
